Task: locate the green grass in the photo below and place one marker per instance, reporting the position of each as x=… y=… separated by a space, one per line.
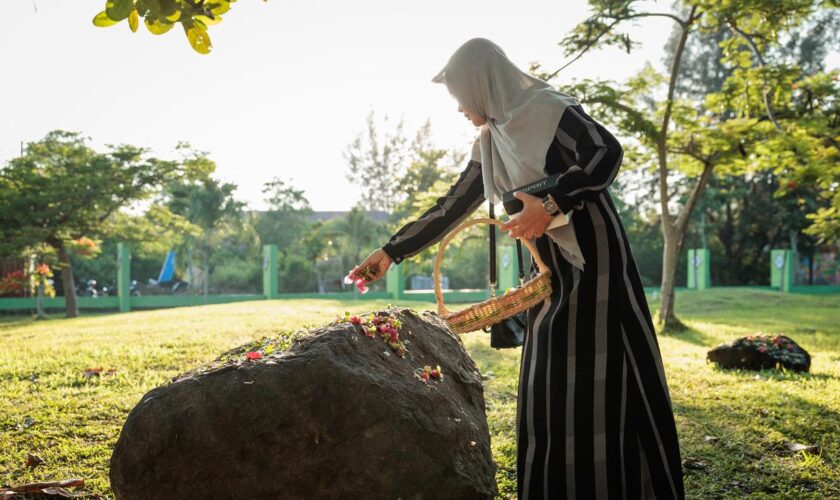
x=77 y=421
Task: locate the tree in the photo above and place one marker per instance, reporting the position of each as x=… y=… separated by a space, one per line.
x=428 y=166
x=160 y=16
x=205 y=202
x=376 y=165
x=356 y=231
x=685 y=138
x=740 y=218
x=60 y=190
x=749 y=216
x=287 y=217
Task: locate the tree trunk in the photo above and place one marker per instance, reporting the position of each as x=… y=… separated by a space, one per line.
x=206 y=278
x=207 y=251
x=672 y=232
x=191 y=271
x=670 y=255
x=39 y=300
x=70 y=306
x=674 y=238
x=794 y=253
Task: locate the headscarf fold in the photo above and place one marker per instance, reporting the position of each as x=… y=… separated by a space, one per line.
x=522 y=114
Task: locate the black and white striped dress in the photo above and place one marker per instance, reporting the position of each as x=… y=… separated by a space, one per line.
x=594 y=414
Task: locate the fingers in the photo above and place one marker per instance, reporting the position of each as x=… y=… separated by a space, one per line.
x=526 y=231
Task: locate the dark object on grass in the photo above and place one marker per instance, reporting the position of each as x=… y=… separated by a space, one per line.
x=338 y=415
x=48 y=488
x=758 y=352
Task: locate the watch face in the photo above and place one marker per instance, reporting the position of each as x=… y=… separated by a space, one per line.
x=550 y=207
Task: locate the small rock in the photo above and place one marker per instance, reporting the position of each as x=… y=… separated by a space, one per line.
x=33 y=460
x=759 y=352
x=711 y=439
x=797 y=447
x=694 y=463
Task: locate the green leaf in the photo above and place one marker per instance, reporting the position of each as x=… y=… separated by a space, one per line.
x=133 y=20
x=219 y=8
x=118 y=10
x=157 y=27
x=199 y=39
x=102 y=20
x=208 y=21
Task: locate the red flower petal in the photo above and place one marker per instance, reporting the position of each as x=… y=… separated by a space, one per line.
x=253 y=355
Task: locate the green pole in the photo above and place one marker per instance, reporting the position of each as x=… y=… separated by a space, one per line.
x=508 y=271
x=394 y=282
x=699 y=268
x=692 y=271
x=124 y=276
x=781 y=269
x=270 y=281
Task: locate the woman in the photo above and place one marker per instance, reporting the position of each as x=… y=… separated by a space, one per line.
x=594 y=415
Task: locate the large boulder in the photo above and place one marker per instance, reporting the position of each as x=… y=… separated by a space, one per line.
x=345 y=412
x=759 y=352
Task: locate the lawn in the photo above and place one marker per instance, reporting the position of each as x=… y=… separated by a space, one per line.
x=49 y=408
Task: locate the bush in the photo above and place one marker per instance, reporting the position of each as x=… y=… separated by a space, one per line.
x=297 y=275
x=237 y=276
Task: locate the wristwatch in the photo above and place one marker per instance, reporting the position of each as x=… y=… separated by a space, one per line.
x=550 y=205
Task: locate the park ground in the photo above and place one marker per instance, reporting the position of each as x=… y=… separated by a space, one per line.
x=49 y=408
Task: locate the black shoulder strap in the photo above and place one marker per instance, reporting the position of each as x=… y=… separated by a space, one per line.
x=492 y=229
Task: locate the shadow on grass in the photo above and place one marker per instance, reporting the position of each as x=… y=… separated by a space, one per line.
x=752 y=428
x=690 y=335
x=780 y=375
x=16 y=321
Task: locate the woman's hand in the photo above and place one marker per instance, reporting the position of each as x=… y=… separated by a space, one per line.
x=531 y=221
x=374 y=266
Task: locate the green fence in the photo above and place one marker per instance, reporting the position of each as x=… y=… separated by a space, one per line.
x=124 y=301
x=698 y=279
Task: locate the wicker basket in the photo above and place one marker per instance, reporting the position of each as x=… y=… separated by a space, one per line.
x=494 y=309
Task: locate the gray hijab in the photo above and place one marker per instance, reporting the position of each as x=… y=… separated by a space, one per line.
x=522 y=114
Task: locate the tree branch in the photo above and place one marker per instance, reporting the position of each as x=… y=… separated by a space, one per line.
x=661 y=143
x=682 y=219
x=680 y=21
x=763 y=65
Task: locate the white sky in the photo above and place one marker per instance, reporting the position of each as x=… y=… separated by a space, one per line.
x=287 y=86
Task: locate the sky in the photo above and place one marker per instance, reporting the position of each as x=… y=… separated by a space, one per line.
x=287 y=85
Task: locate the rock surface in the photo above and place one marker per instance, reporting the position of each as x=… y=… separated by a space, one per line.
x=758 y=352
x=337 y=415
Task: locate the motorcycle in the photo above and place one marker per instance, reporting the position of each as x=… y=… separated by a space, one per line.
x=88 y=289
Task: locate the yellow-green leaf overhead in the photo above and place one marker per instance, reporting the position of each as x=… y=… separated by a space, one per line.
x=133 y=20
x=102 y=20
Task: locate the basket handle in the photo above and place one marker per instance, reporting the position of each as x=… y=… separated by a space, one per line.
x=442 y=310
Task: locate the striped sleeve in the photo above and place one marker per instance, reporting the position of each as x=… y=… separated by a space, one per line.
x=598 y=158
x=462 y=199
